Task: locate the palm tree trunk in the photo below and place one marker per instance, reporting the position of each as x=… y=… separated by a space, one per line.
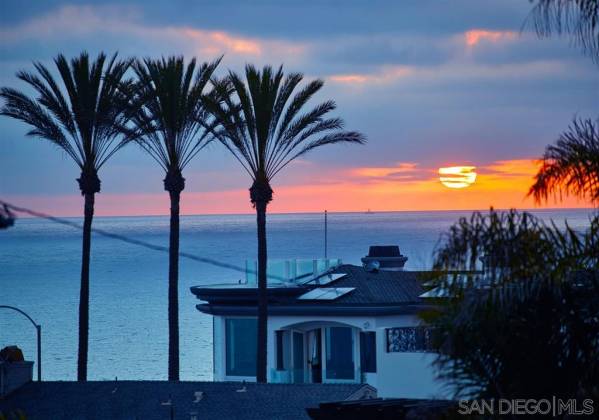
x=261 y=373
x=84 y=292
x=173 y=289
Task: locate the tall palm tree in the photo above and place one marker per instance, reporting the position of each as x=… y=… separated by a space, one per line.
x=260 y=123
x=571 y=165
x=169 y=126
x=85 y=125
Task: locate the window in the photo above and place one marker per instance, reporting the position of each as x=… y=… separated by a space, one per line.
x=368 y=352
x=409 y=340
x=240 y=342
x=280 y=354
x=340 y=353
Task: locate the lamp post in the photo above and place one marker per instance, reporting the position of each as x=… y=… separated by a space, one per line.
x=38 y=328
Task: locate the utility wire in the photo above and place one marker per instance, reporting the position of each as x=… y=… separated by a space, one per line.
x=61 y=221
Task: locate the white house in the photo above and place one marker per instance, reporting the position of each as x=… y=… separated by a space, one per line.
x=332 y=323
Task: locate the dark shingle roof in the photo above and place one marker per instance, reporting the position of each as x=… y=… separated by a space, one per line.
x=144 y=400
x=381 y=287
x=374 y=293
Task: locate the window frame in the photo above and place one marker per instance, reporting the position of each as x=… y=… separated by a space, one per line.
x=326 y=368
x=229 y=373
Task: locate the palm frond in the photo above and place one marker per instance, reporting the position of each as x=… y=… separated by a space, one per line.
x=571 y=165
x=19 y=106
x=258 y=118
x=169 y=122
x=81 y=114
x=577 y=18
x=305 y=146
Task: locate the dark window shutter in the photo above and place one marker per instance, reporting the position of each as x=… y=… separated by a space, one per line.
x=368 y=352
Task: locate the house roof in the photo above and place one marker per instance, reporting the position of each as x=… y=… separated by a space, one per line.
x=380 y=287
x=148 y=399
x=373 y=293
x=385 y=408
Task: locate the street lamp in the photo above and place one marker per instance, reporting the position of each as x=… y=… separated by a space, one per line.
x=39 y=338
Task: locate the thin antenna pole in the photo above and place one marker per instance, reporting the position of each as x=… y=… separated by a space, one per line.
x=325 y=235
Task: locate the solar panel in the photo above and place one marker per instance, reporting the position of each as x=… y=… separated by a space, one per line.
x=326 y=293
x=329 y=278
x=312 y=294
x=437 y=292
x=325 y=279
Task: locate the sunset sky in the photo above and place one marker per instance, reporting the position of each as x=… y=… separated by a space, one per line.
x=431 y=84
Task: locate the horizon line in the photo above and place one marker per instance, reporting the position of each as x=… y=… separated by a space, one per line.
x=368 y=211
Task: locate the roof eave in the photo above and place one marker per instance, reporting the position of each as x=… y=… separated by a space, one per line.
x=312 y=310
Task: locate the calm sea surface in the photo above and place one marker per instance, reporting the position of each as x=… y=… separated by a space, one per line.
x=40 y=265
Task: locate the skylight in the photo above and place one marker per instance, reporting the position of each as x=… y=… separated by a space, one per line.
x=326 y=293
x=326 y=279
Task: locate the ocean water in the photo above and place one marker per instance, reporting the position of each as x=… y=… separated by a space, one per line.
x=40 y=268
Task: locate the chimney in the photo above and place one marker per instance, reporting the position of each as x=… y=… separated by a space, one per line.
x=388 y=258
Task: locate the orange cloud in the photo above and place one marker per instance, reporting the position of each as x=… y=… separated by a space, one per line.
x=349 y=78
x=218 y=41
x=402 y=168
x=474 y=36
x=517 y=167
x=387 y=74
x=68 y=21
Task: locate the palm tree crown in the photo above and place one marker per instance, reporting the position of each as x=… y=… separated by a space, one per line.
x=85 y=122
x=168 y=122
x=260 y=122
x=571 y=165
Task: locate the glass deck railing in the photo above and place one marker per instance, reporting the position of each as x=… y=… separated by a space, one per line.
x=290 y=270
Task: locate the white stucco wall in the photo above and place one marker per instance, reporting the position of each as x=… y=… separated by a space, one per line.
x=407 y=375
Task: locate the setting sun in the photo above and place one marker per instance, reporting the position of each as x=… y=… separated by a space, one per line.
x=457 y=176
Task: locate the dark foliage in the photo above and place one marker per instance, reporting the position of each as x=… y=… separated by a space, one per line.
x=577 y=18
x=528 y=327
x=571 y=165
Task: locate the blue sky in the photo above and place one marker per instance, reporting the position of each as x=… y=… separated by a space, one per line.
x=430 y=83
